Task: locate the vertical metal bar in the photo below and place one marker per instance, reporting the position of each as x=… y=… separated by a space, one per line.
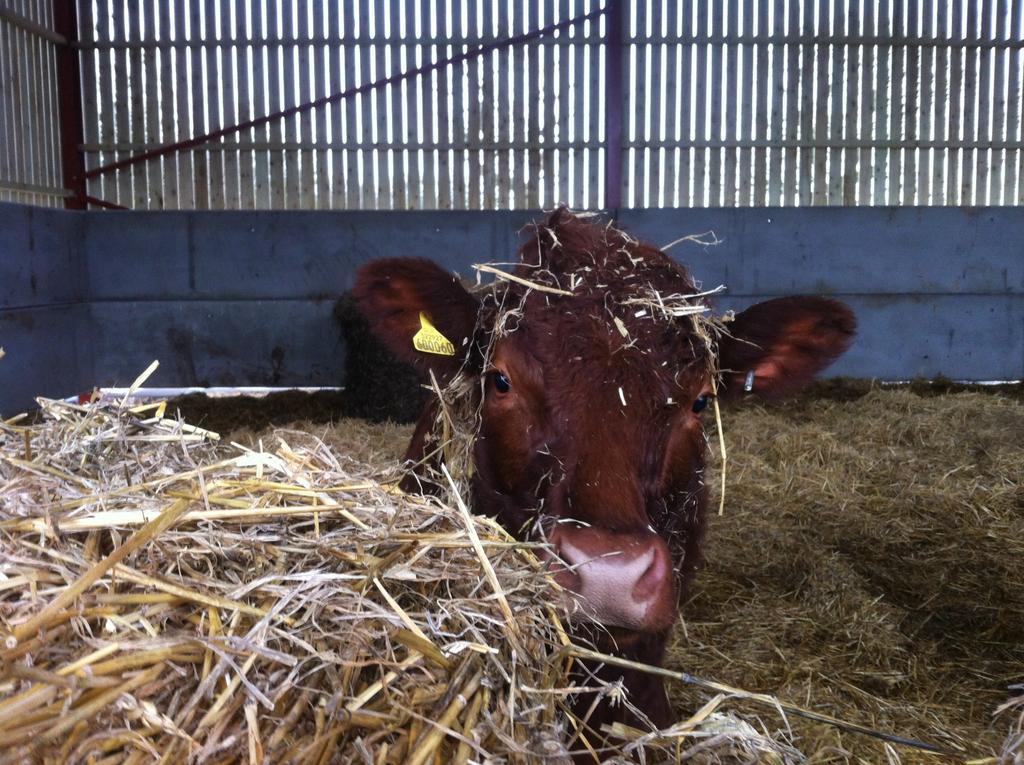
x=838 y=163
x=648 y=97
x=954 y=129
x=883 y=79
x=633 y=98
x=511 y=97
x=614 y=104
x=304 y=123
x=336 y=113
x=378 y=101
x=249 y=67
x=275 y=102
x=426 y=108
x=684 y=111
x=533 y=103
x=160 y=15
x=350 y=75
x=911 y=113
x=662 y=118
x=1003 y=99
x=287 y=97
x=232 y=95
x=180 y=110
x=865 y=180
x=490 y=114
x=70 y=95
x=19 y=102
x=792 y=88
x=197 y=86
x=547 y=67
x=445 y=78
x=826 y=54
x=136 y=133
x=986 y=64
x=35 y=116
x=1014 y=101
x=997 y=104
x=8 y=127
x=669 y=160
x=594 y=159
x=474 y=118
x=571 y=169
x=744 y=89
x=54 y=178
x=636 y=79
x=322 y=88
x=215 y=92
x=764 y=116
x=855 y=100
x=809 y=54
x=504 y=124
x=737 y=98
x=941 y=165
x=702 y=88
x=457 y=83
x=156 y=169
x=396 y=154
x=30 y=136
x=715 y=84
x=926 y=86
x=896 y=108
x=968 y=181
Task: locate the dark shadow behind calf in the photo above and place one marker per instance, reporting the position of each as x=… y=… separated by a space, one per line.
x=378 y=386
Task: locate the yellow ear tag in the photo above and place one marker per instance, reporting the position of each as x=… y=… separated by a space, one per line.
x=429 y=340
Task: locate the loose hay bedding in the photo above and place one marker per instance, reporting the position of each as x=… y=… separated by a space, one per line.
x=869 y=564
x=165 y=597
x=258 y=625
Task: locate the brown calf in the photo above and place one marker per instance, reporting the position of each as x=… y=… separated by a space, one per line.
x=590 y=434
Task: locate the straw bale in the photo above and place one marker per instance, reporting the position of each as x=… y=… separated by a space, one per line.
x=868 y=565
x=163 y=594
x=167 y=596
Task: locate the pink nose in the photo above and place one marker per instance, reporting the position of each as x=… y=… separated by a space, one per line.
x=618 y=580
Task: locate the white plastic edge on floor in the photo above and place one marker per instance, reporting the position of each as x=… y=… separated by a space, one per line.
x=215 y=392
x=259 y=391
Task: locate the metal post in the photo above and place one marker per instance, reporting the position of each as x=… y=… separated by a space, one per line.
x=614 y=105
x=69 y=100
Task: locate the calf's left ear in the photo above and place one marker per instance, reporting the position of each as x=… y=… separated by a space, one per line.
x=784 y=342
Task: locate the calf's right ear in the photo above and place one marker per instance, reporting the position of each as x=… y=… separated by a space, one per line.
x=414 y=306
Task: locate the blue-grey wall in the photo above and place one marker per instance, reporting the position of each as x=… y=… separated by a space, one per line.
x=44 y=313
x=246 y=297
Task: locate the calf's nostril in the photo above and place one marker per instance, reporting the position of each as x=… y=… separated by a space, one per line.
x=655 y=577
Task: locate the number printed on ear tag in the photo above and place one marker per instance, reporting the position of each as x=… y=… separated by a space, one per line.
x=429 y=340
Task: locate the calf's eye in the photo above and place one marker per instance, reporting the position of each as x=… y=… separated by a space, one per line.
x=701 y=402
x=501 y=382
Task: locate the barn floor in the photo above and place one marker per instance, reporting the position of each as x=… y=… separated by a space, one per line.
x=869 y=563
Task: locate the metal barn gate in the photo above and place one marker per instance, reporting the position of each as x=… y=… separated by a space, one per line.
x=483 y=104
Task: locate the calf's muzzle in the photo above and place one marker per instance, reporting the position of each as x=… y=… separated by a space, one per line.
x=615 y=579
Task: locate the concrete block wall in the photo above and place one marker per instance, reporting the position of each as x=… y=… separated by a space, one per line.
x=245 y=298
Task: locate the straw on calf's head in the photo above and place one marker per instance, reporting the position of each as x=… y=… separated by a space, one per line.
x=588 y=371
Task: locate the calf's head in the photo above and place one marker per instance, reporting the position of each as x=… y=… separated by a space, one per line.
x=590 y=391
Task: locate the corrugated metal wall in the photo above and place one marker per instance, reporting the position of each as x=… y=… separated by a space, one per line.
x=518 y=127
x=825 y=102
x=30 y=166
x=724 y=102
